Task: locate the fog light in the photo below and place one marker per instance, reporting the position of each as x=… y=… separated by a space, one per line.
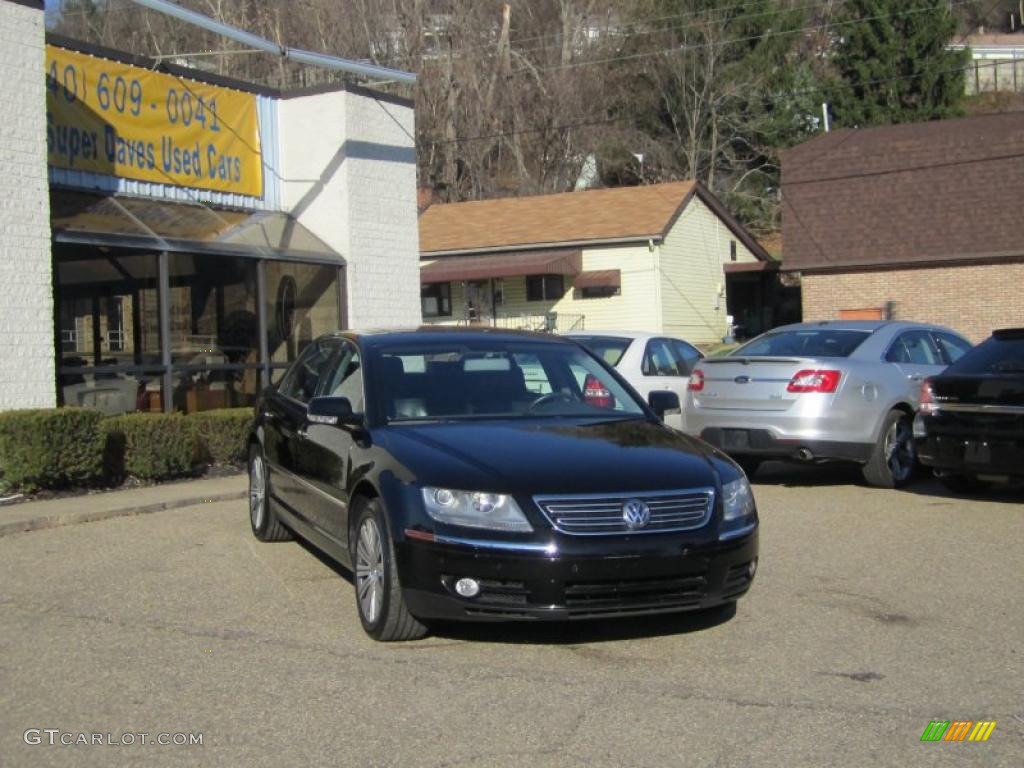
x=467 y=587
x=752 y=568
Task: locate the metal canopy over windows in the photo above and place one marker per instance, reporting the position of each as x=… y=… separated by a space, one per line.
x=599 y=278
x=90 y=219
x=517 y=264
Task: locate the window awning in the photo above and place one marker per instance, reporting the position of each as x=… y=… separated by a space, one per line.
x=459 y=268
x=107 y=220
x=599 y=278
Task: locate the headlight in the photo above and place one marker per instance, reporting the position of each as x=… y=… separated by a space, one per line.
x=737 y=499
x=475 y=509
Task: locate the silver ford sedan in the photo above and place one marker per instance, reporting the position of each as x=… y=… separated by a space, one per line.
x=819 y=392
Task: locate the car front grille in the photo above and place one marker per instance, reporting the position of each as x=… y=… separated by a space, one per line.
x=609 y=597
x=603 y=514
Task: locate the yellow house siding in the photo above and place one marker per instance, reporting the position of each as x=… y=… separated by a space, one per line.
x=692 y=275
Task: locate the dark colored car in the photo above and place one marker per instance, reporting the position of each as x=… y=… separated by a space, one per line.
x=486 y=475
x=970 y=426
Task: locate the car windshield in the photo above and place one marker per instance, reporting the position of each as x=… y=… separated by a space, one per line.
x=803 y=342
x=1003 y=354
x=608 y=348
x=483 y=379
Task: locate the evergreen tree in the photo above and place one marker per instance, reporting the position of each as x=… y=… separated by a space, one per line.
x=892 y=63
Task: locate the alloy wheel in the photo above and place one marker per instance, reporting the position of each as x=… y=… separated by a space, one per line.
x=369 y=570
x=257 y=492
x=899 y=450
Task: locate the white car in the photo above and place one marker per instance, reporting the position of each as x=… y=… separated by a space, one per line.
x=648 y=361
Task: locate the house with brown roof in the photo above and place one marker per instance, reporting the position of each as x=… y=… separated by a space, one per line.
x=650 y=258
x=919 y=221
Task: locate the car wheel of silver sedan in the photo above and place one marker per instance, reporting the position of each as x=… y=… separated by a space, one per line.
x=379 y=599
x=894 y=458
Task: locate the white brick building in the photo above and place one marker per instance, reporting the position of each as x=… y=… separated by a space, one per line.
x=128 y=284
x=26 y=304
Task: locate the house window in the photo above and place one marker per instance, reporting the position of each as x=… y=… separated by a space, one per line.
x=436 y=299
x=544 y=287
x=599 y=291
x=732 y=250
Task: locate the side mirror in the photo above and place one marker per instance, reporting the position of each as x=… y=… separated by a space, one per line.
x=332 y=410
x=662 y=402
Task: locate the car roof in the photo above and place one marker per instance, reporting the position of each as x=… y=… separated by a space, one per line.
x=440 y=333
x=616 y=334
x=855 y=325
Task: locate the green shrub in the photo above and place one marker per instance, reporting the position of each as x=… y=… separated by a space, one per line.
x=150 y=446
x=50 y=448
x=223 y=434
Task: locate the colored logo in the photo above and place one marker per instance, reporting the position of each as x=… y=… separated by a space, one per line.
x=636 y=514
x=958 y=730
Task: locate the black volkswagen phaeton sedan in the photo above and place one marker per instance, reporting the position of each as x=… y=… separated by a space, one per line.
x=491 y=475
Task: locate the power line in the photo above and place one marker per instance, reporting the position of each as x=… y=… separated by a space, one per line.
x=698 y=46
x=973 y=66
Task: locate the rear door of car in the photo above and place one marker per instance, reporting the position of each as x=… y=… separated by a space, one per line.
x=916 y=356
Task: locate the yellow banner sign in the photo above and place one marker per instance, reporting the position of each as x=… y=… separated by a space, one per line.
x=115 y=119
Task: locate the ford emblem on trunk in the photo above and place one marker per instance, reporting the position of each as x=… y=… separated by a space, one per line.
x=636 y=514
x=742 y=379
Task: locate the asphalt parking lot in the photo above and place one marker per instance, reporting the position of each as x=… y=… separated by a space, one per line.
x=873 y=613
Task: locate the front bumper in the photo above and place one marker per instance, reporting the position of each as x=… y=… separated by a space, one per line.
x=584 y=579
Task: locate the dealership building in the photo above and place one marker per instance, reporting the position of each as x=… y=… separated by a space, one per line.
x=170 y=240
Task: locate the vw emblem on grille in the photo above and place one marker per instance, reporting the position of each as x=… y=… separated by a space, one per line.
x=636 y=514
x=742 y=379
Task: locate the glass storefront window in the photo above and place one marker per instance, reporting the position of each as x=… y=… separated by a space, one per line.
x=108 y=309
x=213 y=310
x=108 y=323
x=302 y=304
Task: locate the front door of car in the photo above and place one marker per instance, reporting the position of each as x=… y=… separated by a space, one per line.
x=916 y=356
x=664 y=368
x=327 y=449
x=286 y=427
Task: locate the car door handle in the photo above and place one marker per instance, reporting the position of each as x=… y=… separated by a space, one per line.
x=915 y=376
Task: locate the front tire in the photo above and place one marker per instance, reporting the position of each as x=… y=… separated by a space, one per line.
x=894 y=457
x=265 y=525
x=379 y=599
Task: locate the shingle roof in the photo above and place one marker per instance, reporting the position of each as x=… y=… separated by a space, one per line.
x=906 y=194
x=572 y=217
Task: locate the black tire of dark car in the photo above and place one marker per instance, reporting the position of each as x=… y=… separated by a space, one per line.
x=392 y=620
x=265 y=525
x=894 y=459
x=957 y=483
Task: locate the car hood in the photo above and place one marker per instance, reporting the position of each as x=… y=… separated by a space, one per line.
x=553 y=456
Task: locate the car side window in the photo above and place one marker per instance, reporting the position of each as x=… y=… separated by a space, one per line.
x=688 y=355
x=303 y=380
x=953 y=347
x=347 y=379
x=660 y=360
x=914 y=348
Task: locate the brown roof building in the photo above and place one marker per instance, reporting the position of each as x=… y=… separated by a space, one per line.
x=919 y=221
x=652 y=258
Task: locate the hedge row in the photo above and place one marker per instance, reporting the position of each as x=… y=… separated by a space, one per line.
x=61 y=447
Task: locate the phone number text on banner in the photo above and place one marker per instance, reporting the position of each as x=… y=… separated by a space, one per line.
x=111 y=118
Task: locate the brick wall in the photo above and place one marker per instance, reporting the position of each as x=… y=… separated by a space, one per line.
x=26 y=312
x=973 y=300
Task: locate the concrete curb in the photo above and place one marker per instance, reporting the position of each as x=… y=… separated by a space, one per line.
x=74 y=518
